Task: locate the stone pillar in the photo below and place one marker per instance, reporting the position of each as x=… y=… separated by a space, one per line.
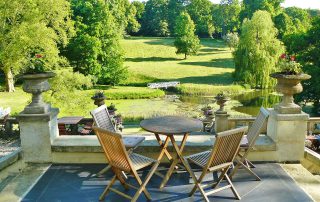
x=221 y=121
x=37 y=131
x=288 y=131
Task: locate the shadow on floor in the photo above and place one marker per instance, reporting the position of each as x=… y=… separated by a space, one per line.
x=67 y=183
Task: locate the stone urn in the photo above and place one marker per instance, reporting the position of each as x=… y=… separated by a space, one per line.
x=36 y=84
x=99 y=99
x=289 y=85
x=221 y=101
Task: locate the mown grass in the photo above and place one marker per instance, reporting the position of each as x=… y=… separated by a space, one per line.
x=16 y=100
x=151 y=60
x=127 y=92
x=154 y=60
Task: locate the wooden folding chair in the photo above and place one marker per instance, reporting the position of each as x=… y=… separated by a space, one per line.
x=248 y=142
x=120 y=161
x=220 y=158
x=103 y=120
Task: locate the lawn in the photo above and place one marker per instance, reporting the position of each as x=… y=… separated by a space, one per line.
x=151 y=60
x=154 y=59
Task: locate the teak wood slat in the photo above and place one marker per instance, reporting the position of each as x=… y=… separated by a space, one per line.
x=248 y=143
x=220 y=158
x=103 y=120
x=120 y=161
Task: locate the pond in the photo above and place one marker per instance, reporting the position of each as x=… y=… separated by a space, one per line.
x=247 y=103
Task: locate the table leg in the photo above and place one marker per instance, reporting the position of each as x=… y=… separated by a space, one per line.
x=161 y=145
x=179 y=151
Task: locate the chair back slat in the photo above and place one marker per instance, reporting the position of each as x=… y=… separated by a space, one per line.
x=102 y=118
x=257 y=126
x=226 y=146
x=114 y=149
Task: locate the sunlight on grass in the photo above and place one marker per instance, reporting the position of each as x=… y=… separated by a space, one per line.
x=154 y=59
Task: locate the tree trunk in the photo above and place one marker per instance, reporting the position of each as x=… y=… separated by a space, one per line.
x=185 y=56
x=9 y=81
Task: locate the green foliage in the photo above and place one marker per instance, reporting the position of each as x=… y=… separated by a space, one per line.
x=30 y=27
x=187 y=42
x=96 y=50
x=200 y=12
x=67 y=81
x=258 y=51
x=175 y=7
x=133 y=25
x=301 y=19
x=155 y=18
x=209 y=90
x=251 y=6
x=232 y=40
x=308 y=56
x=226 y=16
x=119 y=92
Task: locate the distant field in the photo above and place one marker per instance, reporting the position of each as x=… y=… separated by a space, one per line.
x=154 y=59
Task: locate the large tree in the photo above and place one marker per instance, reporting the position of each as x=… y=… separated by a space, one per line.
x=30 y=27
x=258 y=51
x=226 y=16
x=186 y=42
x=200 y=12
x=307 y=52
x=155 y=18
x=251 y=6
x=175 y=7
x=96 y=50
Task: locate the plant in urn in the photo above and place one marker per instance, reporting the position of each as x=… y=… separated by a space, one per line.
x=221 y=99
x=36 y=82
x=289 y=83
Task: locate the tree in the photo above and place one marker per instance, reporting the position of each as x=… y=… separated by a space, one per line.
x=200 y=12
x=119 y=11
x=284 y=25
x=251 y=6
x=140 y=7
x=155 y=18
x=226 y=16
x=175 y=7
x=301 y=19
x=133 y=25
x=186 y=42
x=232 y=40
x=96 y=50
x=308 y=55
x=29 y=27
x=258 y=51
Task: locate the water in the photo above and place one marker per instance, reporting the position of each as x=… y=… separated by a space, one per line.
x=250 y=102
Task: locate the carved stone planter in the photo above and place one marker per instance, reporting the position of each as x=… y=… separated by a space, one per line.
x=99 y=101
x=36 y=84
x=221 y=101
x=289 y=85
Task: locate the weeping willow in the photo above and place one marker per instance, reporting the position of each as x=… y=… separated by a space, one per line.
x=258 y=51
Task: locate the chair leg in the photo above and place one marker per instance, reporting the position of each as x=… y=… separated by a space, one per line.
x=144 y=184
x=222 y=175
x=105 y=192
x=103 y=171
x=232 y=188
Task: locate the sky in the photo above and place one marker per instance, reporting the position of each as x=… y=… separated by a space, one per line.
x=288 y=3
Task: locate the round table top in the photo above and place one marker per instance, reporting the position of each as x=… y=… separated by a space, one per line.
x=171 y=125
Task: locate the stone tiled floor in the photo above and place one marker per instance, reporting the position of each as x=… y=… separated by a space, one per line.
x=65 y=183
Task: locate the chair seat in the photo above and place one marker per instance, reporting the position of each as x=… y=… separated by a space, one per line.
x=140 y=161
x=200 y=159
x=132 y=141
x=244 y=142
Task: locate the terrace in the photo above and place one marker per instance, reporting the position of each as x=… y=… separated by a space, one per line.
x=67 y=166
